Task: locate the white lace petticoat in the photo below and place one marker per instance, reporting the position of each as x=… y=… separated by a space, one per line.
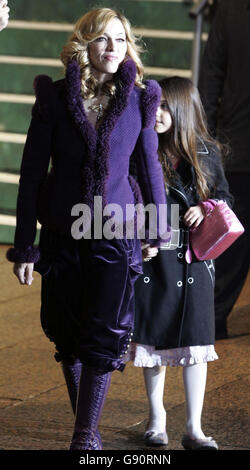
x=147 y=356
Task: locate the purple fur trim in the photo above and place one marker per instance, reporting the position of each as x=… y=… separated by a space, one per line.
x=88 y=132
x=124 y=78
x=29 y=255
x=136 y=190
x=150 y=102
x=95 y=169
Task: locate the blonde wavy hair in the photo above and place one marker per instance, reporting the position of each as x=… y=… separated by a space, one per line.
x=88 y=28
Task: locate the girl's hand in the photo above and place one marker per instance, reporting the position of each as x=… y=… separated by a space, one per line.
x=148 y=252
x=194 y=216
x=24 y=271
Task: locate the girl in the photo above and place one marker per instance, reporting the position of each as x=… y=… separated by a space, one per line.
x=89 y=123
x=174 y=323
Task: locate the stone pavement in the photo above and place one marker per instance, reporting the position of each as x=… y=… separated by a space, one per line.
x=35 y=413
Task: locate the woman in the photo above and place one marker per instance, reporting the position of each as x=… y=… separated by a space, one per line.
x=89 y=123
x=174 y=320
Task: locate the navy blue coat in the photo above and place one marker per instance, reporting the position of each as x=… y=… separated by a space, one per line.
x=174 y=300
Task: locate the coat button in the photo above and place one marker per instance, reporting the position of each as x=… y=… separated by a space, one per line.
x=190 y=280
x=179 y=283
x=146 y=279
x=180 y=255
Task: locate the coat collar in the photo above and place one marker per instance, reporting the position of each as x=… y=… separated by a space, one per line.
x=202 y=148
x=185 y=176
x=186 y=171
x=95 y=164
x=124 y=79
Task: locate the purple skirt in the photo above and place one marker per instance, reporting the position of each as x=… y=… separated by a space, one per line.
x=87 y=305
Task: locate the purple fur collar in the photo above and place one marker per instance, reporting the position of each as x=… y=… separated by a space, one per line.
x=95 y=168
x=125 y=78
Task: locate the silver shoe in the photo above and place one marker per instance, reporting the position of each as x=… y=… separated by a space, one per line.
x=199 y=444
x=152 y=438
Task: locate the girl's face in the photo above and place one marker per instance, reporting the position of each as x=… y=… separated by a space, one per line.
x=163 y=117
x=108 y=51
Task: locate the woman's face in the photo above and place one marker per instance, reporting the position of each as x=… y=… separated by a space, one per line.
x=163 y=117
x=108 y=51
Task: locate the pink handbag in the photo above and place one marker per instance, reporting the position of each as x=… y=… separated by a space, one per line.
x=218 y=230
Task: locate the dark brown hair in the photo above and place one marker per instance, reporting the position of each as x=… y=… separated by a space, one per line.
x=189 y=128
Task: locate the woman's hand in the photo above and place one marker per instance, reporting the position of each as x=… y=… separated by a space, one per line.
x=24 y=271
x=148 y=252
x=194 y=216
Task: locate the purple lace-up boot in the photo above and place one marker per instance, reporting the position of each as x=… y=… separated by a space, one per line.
x=92 y=392
x=72 y=374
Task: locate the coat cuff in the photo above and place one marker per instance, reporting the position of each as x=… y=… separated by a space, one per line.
x=160 y=240
x=152 y=243
x=29 y=255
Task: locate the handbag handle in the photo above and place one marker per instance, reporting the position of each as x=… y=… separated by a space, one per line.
x=208 y=206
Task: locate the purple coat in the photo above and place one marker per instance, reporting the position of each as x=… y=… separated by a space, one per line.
x=85 y=161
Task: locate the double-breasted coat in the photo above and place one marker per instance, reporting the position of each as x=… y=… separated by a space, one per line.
x=87 y=284
x=174 y=300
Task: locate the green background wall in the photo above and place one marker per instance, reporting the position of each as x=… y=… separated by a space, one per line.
x=18 y=40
